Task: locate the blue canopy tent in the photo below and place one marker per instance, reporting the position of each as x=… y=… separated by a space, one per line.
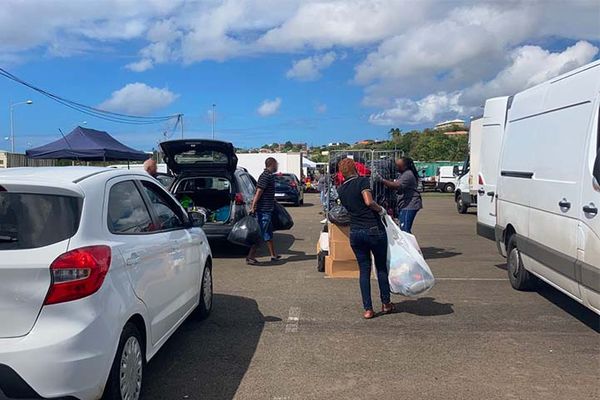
x=87 y=145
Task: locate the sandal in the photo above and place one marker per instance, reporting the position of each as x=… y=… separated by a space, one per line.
x=252 y=261
x=276 y=258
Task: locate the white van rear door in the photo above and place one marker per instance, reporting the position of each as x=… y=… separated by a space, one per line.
x=494 y=119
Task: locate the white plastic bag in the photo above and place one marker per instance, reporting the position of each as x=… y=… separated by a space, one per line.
x=408 y=273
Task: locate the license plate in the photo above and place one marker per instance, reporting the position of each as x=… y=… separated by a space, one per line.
x=279 y=194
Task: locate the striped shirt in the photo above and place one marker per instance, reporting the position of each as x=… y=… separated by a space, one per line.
x=266 y=182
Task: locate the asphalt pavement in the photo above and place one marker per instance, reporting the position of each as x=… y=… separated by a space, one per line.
x=283 y=331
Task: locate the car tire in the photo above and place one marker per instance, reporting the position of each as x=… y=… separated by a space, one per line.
x=206 y=295
x=126 y=373
x=520 y=278
x=461 y=207
x=449 y=188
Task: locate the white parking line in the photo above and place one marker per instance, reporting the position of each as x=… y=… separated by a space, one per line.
x=471 y=279
x=293 y=320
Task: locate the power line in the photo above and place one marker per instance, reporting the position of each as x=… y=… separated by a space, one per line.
x=93 y=111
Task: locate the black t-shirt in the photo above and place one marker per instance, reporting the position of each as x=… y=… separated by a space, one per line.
x=361 y=216
x=266 y=182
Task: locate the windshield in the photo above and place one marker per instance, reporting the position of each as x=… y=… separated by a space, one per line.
x=30 y=221
x=201 y=157
x=284 y=180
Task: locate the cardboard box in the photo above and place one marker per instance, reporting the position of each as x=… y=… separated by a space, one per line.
x=341 y=251
x=338 y=233
x=341 y=269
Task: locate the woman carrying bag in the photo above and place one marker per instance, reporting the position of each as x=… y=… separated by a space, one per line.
x=367 y=234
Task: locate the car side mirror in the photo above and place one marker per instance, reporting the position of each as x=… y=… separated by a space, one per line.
x=455 y=171
x=197 y=219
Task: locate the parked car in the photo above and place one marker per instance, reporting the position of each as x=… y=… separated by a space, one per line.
x=289 y=189
x=543 y=213
x=207 y=178
x=98 y=268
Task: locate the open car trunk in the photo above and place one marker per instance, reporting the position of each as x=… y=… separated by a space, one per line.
x=210 y=194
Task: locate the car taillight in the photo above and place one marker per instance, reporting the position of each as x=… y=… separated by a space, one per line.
x=78 y=273
x=480 y=179
x=239 y=199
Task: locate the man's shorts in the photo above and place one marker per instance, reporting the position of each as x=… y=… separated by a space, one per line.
x=266 y=226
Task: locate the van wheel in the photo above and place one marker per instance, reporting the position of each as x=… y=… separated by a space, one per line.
x=125 y=379
x=206 y=295
x=519 y=277
x=449 y=188
x=461 y=207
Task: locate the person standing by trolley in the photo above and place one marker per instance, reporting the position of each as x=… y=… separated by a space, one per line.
x=409 y=197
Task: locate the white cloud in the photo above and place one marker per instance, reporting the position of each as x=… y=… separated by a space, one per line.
x=269 y=107
x=415 y=48
x=529 y=66
x=423 y=110
x=138 y=99
x=140 y=66
x=309 y=68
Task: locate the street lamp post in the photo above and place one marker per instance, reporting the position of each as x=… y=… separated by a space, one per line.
x=12 y=125
x=213 y=121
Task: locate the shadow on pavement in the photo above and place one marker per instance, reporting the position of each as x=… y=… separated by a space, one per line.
x=208 y=360
x=424 y=307
x=567 y=304
x=431 y=253
x=283 y=245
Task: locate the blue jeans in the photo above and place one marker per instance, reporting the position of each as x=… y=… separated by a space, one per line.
x=406 y=218
x=364 y=242
x=266 y=226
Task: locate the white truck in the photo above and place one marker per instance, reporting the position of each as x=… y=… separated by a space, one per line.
x=542 y=190
x=254 y=163
x=465 y=194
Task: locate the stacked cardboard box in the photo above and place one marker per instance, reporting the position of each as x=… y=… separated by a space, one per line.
x=341 y=262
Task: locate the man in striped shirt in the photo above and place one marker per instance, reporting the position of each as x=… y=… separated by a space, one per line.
x=263 y=204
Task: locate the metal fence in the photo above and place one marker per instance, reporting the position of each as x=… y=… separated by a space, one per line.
x=14 y=160
x=368 y=161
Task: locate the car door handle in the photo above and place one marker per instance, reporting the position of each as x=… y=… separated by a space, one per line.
x=491 y=194
x=590 y=209
x=481 y=192
x=564 y=204
x=133 y=260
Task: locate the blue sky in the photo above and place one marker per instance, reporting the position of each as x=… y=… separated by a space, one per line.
x=322 y=70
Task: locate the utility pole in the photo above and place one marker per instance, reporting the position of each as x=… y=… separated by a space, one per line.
x=213 y=121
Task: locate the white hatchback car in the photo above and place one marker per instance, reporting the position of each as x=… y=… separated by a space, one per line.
x=98 y=267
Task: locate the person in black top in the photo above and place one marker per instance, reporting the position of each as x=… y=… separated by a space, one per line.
x=367 y=234
x=263 y=204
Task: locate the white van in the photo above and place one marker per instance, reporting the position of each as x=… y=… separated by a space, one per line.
x=446 y=178
x=547 y=193
x=465 y=194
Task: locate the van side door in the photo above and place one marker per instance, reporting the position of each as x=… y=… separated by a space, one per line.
x=588 y=235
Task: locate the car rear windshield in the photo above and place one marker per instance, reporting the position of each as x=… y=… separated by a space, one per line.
x=29 y=221
x=201 y=157
x=284 y=179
